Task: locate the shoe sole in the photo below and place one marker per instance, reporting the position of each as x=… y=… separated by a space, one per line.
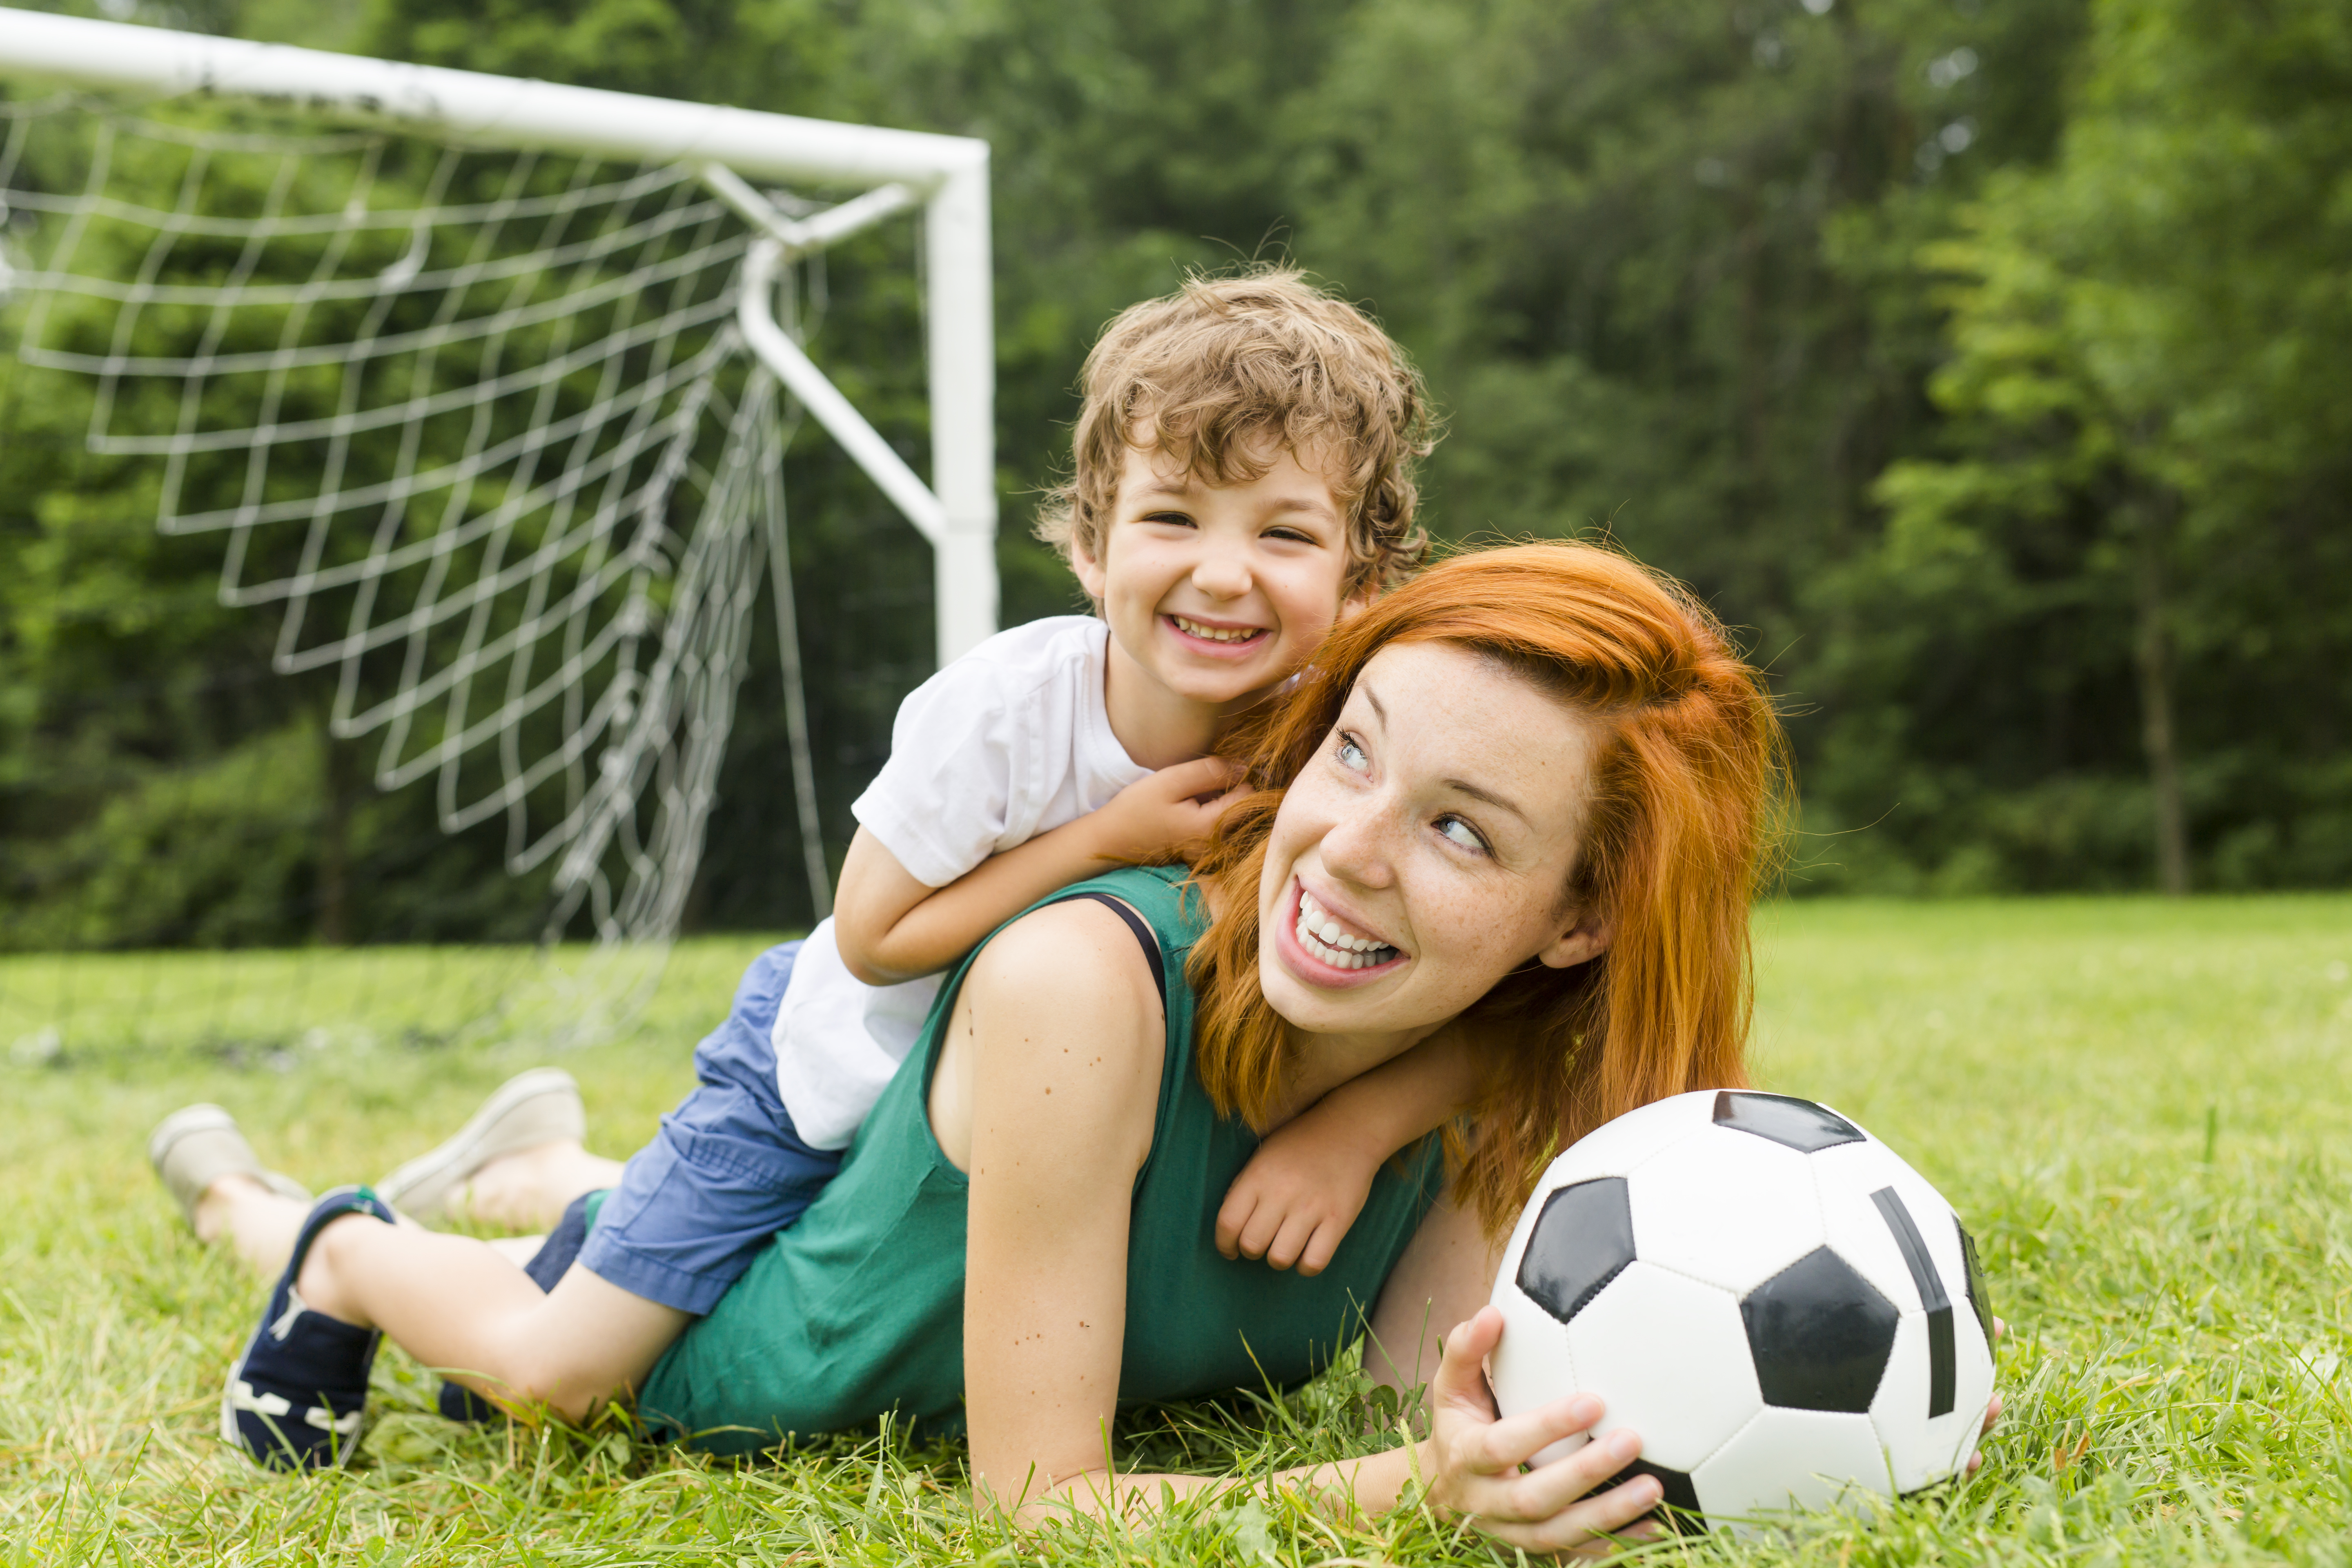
x=507 y=1122
x=190 y=1120
x=202 y=1118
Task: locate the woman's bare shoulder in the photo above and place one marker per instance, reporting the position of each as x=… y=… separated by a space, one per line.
x=1078 y=950
x=1059 y=1024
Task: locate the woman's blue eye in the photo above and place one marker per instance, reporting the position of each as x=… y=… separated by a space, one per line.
x=1462 y=833
x=1351 y=755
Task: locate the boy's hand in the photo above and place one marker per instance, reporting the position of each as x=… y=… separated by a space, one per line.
x=1171 y=812
x=1298 y=1194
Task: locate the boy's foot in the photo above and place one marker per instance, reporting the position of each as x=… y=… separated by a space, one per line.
x=197 y=1145
x=541 y=1106
x=295 y=1398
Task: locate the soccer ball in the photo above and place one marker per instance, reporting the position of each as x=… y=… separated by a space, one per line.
x=1778 y=1304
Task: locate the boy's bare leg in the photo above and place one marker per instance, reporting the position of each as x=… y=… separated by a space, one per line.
x=530 y=1188
x=261 y=1223
x=518 y=1250
x=456 y=1303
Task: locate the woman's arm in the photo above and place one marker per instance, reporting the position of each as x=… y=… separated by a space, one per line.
x=1046 y=1093
x=1471 y=1463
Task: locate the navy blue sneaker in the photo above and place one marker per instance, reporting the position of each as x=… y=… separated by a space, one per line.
x=295 y=1398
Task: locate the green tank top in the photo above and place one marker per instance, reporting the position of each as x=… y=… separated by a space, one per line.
x=856 y=1311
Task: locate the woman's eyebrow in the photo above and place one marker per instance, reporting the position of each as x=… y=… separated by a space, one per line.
x=1475 y=792
x=1373 y=698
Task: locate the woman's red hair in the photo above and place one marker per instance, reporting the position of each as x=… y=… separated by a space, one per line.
x=1685 y=792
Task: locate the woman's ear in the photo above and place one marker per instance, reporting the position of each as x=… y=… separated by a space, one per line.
x=1582 y=942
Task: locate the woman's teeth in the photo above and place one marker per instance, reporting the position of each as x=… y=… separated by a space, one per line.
x=1321 y=936
x=1215 y=634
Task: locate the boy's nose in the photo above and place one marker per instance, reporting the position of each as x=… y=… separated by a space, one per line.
x=1221 y=575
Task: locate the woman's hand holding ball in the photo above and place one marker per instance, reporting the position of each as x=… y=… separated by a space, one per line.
x=1477 y=1460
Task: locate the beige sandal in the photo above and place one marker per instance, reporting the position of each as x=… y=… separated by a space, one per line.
x=541 y=1106
x=197 y=1145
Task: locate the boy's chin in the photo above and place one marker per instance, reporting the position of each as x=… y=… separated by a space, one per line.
x=1224 y=686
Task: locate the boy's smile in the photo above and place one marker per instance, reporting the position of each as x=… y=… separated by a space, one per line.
x=1200 y=629
x=1216 y=594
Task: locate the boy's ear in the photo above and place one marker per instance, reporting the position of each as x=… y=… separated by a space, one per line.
x=1090 y=574
x=1357 y=603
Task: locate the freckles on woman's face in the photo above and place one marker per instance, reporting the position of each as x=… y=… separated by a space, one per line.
x=1424 y=853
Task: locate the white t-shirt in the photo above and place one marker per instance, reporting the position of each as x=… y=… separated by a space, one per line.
x=1009 y=742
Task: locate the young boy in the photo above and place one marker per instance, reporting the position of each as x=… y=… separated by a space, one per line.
x=1243 y=478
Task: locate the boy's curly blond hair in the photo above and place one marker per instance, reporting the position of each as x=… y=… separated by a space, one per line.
x=1225 y=361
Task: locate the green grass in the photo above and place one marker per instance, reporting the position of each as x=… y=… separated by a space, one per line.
x=2143 y=1110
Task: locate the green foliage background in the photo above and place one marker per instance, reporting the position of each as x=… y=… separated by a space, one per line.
x=1981 y=359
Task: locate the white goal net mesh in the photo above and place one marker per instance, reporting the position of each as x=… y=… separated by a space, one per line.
x=474 y=427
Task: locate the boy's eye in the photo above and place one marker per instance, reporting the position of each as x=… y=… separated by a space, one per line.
x=1176 y=518
x=1351 y=755
x=1291 y=536
x=1455 y=830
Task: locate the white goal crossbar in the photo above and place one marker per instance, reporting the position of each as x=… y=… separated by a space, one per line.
x=947 y=176
x=478 y=384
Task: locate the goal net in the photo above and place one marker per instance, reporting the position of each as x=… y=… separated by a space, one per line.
x=483 y=389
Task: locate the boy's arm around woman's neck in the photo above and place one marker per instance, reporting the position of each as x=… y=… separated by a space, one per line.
x=891 y=927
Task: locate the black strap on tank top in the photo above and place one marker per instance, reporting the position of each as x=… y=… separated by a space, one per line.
x=1142 y=934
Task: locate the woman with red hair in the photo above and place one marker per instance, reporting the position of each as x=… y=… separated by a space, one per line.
x=1525 y=797
x=1532 y=789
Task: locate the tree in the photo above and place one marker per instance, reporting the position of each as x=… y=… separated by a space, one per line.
x=2151 y=421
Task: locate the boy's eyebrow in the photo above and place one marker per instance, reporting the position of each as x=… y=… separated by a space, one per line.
x=1186 y=488
x=1314 y=504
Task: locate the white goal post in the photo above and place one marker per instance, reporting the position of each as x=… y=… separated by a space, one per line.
x=947 y=176
x=486 y=387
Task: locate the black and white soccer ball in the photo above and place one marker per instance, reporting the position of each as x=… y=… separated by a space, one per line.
x=1779 y=1306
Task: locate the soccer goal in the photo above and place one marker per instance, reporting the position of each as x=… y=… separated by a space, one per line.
x=484 y=386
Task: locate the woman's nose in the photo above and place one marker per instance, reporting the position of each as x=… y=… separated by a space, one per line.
x=1361 y=843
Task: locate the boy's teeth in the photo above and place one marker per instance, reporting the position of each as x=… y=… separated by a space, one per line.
x=1216 y=633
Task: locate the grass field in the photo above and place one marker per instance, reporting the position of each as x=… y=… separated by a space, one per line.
x=2144 y=1109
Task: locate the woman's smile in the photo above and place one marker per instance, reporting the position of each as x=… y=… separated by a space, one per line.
x=1322 y=950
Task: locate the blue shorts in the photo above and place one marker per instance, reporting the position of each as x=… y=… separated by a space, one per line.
x=727 y=1171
